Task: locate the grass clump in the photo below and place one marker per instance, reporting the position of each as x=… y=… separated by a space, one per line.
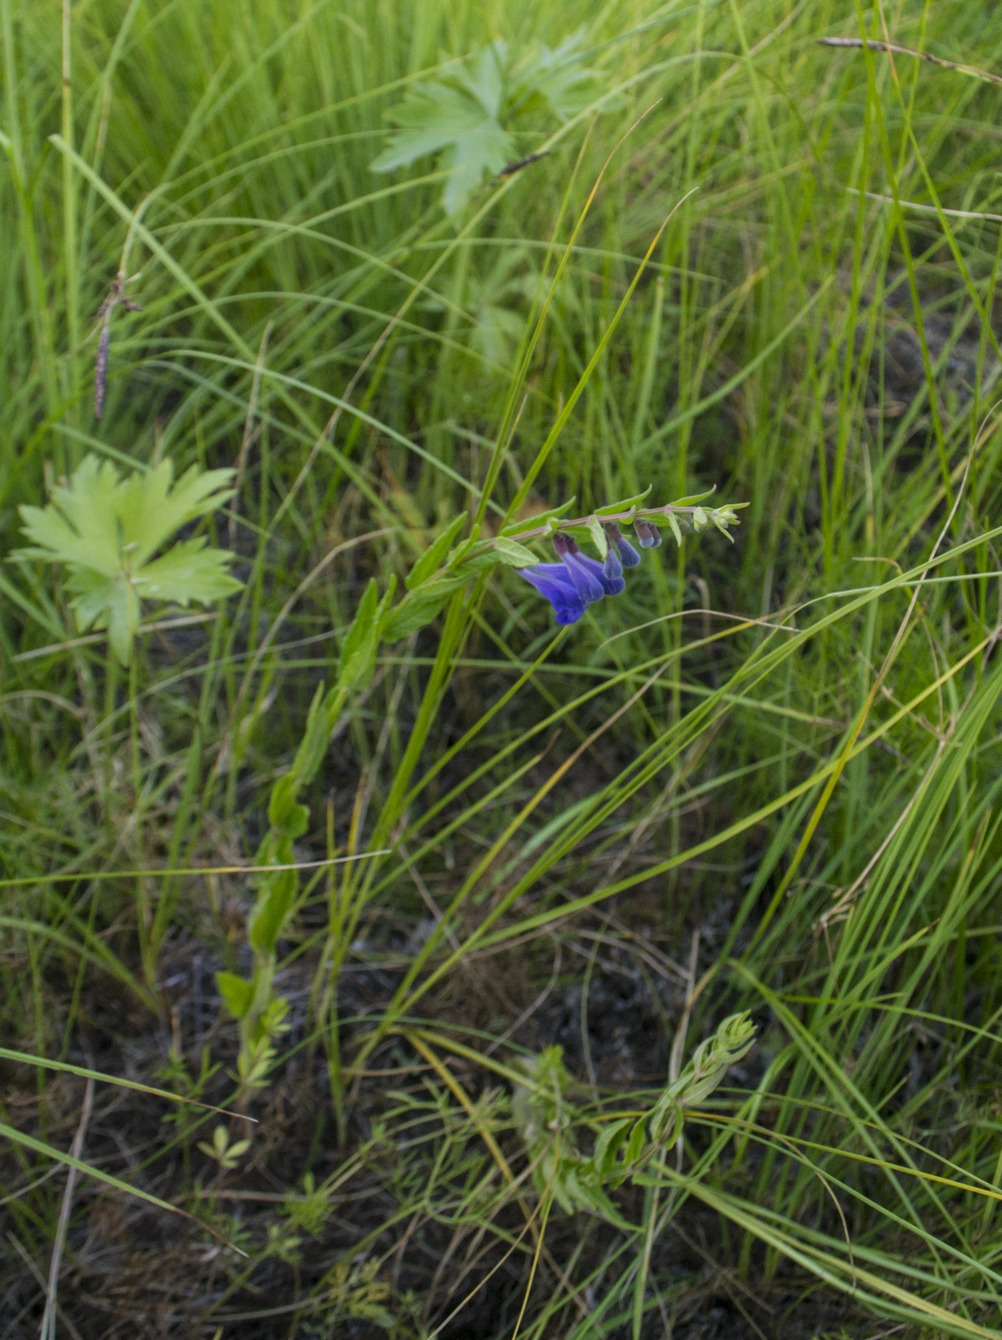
x=629 y=974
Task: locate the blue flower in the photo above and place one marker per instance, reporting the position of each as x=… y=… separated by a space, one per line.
x=612 y=574
x=553 y=581
x=577 y=580
x=590 y=578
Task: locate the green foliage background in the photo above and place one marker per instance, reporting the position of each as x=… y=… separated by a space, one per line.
x=768 y=770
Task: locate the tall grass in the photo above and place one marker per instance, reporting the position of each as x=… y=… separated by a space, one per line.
x=765 y=778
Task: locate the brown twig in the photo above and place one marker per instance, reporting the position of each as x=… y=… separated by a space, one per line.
x=116 y=298
x=892 y=48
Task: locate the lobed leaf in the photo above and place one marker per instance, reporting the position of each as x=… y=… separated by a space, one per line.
x=151 y=511
x=185 y=573
x=106 y=529
x=556 y=78
x=79 y=526
x=467 y=117
x=439 y=119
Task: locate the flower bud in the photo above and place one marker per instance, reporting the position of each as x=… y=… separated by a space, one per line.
x=628 y=556
x=648 y=536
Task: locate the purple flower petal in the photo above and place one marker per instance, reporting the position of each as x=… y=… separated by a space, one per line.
x=628 y=556
x=553 y=581
x=612 y=574
x=579 y=580
x=585 y=573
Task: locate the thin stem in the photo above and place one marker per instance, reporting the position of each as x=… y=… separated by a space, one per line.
x=630 y=514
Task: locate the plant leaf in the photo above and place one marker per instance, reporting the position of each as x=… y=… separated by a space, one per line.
x=278 y=892
x=533 y=523
x=693 y=498
x=556 y=78
x=237 y=993
x=151 y=510
x=419 y=608
x=434 y=556
x=598 y=536
x=357 y=661
x=440 y=119
x=106 y=529
x=79 y=526
x=187 y=572
x=515 y=555
x=612 y=509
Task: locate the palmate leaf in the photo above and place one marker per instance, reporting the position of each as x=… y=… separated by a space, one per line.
x=437 y=115
x=452 y=122
x=74 y=527
x=481 y=153
x=187 y=572
x=106 y=602
x=151 y=510
x=556 y=78
x=469 y=116
x=484 y=80
x=106 y=529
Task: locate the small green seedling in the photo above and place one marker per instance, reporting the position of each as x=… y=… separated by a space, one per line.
x=226 y=1152
x=107 y=532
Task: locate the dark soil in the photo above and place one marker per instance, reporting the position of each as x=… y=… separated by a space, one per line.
x=127 y=1267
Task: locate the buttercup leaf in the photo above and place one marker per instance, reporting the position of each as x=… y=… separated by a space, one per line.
x=439 y=119
x=469 y=116
x=189 y=571
x=105 y=531
x=75 y=527
x=556 y=78
x=151 y=510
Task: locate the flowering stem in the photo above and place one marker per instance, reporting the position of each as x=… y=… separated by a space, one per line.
x=629 y=515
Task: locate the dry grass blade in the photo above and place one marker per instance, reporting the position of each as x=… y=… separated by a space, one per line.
x=48 y=1327
x=893 y=48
